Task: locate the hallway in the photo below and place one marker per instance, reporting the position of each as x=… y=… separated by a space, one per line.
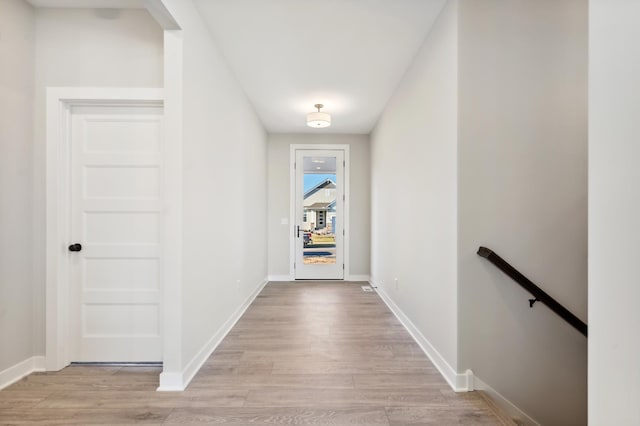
x=303 y=353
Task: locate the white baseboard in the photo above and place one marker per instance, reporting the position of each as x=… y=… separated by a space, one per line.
x=504 y=404
x=352 y=277
x=464 y=382
x=178 y=381
x=171 y=382
x=20 y=370
x=279 y=278
x=458 y=382
x=276 y=278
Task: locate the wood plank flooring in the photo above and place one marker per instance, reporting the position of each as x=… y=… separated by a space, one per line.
x=312 y=353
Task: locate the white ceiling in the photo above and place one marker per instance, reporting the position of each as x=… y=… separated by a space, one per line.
x=346 y=54
x=291 y=54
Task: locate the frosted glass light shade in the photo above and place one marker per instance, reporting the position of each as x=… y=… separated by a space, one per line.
x=318 y=119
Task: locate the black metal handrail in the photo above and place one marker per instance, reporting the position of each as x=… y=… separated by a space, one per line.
x=538 y=294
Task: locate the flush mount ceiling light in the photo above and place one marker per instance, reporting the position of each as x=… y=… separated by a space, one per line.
x=318 y=119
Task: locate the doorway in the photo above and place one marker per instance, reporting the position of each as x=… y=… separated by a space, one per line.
x=105 y=229
x=319 y=213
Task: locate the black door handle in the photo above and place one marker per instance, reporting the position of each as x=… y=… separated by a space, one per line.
x=298 y=231
x=75 y=247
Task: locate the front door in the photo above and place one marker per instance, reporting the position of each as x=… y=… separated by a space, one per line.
x=319 y=220
x=115 y=289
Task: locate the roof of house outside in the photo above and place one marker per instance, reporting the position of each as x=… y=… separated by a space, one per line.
x=325 y=184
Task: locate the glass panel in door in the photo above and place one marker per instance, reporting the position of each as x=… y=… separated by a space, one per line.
x=319 y=210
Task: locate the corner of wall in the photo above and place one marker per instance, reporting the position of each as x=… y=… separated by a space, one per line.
x=178 y=381
x=171 y=382
x=459 y=382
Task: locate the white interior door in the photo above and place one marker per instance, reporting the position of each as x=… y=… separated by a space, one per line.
x=319 y=217
x=116 y=196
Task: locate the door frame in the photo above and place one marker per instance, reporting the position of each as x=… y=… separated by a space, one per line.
x=60 y=101
x=292 y=201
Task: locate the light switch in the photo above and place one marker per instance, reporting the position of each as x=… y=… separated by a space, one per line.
x=284 y=221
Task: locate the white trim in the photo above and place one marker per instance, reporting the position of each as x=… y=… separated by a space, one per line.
x=292 y=210
x=59 y=103
x=172 y=186
x=458 y=382
x=161 y=14
x=179 y=381
x=273 y=278
x=171 y=382
x=358 y=278
x=504 y=404
x=16 y=372
x=292 y=200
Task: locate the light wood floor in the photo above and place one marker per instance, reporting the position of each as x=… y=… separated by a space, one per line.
x=302 y=354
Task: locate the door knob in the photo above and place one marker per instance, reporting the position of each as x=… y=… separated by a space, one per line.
x=75 y=247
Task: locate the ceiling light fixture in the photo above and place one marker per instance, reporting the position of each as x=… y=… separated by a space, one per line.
x=318 y=119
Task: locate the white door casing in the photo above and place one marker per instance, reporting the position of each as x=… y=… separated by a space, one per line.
x=106 y=174
x=305 y=264
x=116 y=204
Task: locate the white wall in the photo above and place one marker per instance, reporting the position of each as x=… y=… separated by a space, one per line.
x=523 y=193
x=98 y=47
x=484 y=143
x=414 y=181
x=91 y=48
x=279 y=201
x=614 y=209
x=224 y=185
x=16 y=169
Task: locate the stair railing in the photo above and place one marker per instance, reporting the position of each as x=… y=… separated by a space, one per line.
x=538 y=294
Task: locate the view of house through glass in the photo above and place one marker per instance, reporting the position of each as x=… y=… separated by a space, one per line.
x=319 y=210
